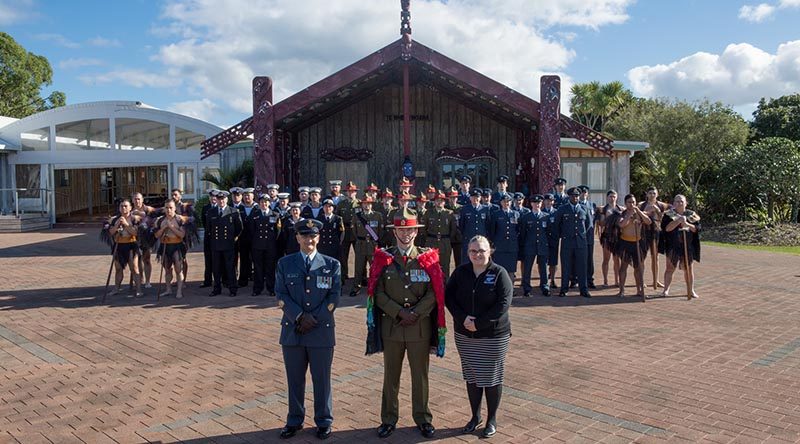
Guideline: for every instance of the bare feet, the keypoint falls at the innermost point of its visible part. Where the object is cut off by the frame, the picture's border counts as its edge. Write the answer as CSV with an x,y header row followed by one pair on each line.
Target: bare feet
x,y
166,293
621,294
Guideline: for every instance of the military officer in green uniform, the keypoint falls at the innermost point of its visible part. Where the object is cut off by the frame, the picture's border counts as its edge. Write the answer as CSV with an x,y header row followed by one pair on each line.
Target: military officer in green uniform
x,y
456,239
346,209
403,288
386,208
440,228
367,227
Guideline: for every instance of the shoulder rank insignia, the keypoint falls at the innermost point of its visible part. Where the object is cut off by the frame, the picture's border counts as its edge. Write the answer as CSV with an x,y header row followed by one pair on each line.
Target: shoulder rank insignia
x,y
331,306
281,303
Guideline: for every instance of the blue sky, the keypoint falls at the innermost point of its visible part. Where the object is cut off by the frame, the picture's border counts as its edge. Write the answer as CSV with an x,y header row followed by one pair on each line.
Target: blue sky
x,y
197,56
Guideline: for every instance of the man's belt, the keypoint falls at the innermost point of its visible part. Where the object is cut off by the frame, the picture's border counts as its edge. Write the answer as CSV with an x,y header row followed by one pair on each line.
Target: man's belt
x,y
439,236
364,238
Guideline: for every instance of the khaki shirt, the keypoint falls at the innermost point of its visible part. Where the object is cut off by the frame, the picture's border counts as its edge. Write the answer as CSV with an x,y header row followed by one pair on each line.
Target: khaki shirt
x,y
405,285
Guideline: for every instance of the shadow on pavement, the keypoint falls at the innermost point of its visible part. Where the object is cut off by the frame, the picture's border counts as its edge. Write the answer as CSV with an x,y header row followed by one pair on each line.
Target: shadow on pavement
x,y
308,434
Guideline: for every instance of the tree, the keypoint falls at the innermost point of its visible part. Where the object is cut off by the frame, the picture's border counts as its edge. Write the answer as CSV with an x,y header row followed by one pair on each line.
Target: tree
x,y
777,118
22,76
764,175
687,141
592,104
241,176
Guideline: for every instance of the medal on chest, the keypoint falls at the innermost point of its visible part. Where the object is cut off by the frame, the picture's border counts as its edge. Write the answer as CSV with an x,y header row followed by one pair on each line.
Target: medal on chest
x,y
419,276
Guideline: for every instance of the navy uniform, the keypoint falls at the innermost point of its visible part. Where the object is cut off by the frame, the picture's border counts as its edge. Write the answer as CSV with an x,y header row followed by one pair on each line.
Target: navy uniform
x,y
272,194
308,287
472,222
282,204
208,271
552,239
572,223
246,239
591,208
287,242
331,233
265,226
503,231
533,245
497,195
346,209
559,198
225,226
310,211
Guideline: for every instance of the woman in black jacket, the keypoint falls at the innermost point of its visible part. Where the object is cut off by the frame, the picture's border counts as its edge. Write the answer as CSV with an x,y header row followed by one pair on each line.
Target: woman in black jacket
x,y
478,295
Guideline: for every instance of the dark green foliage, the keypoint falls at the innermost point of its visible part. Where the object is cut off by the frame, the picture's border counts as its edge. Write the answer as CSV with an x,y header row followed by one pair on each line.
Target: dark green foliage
x,y
22,76
777,118
241,176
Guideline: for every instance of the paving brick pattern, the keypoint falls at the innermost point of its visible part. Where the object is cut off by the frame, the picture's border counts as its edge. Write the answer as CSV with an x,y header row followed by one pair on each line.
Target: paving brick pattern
x,y
724,368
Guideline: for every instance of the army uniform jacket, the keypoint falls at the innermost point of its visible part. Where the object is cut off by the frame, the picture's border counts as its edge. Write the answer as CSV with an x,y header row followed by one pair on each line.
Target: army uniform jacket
x,y
225,226
572,224
439,225
346,209
405,284
473,221
316,292
375,221
534,233
265,227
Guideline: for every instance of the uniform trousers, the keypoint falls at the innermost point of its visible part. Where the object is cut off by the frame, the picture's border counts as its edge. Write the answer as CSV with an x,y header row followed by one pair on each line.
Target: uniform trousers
x,y
590,263
456,247
245,263
296,360
223,262
527,266
344,256
264,263
419,361
445,250
573,262
364,252
208,271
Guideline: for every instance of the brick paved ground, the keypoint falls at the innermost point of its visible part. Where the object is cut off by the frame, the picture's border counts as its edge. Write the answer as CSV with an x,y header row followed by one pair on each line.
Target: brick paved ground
x,y
724,368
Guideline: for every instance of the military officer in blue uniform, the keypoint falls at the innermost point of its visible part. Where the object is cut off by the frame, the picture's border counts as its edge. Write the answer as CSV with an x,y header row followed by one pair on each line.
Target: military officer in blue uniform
x,y
559,196
533,241
331,234
246,212
591,208
502,188
552,239
519,204
504,235
474,220
572,223
463,190
486,199
308,286
265,227
226,226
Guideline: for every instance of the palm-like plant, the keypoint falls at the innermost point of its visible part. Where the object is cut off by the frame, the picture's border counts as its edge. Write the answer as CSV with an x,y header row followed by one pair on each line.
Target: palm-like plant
x,y
241,176
593,103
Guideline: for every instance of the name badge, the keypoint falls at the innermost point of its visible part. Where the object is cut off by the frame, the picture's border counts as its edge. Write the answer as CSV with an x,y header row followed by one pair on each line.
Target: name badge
x,y
483,215
490,279
292,275
272,220
544,224
419,276
373,223
324,282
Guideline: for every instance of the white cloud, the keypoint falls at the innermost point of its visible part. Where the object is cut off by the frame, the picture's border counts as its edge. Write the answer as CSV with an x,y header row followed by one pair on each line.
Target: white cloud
x,y
789,3
15,11
757,13
740,76
134,77
102,42
58,39
199,109
79,62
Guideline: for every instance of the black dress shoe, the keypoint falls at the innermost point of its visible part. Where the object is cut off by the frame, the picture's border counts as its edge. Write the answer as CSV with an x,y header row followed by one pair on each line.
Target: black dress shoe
x,y
592,286
586,294
204,285
214,293
562,294
490,430
289,431
232,294
427,430
473,424
256,293
323,432
354,292
385,430
527,294
545,292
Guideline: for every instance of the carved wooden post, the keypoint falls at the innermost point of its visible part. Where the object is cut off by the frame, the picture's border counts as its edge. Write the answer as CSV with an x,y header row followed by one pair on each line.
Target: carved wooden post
x,y
548,162
263,133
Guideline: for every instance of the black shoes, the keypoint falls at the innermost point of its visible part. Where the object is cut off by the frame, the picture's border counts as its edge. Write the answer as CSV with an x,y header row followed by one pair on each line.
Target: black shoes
x,y
545,292
385,430
427,430
592,286
586,294
354,291
472,425
256,294
562,294
232,294
527,294
204,285
490,430
323,432
289,431
215,293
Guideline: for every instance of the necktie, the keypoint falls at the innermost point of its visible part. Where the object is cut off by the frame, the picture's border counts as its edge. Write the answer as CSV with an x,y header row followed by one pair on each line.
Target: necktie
x,y
308,264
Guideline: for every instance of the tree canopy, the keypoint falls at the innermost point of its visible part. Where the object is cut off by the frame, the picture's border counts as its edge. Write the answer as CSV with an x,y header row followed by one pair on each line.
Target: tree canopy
x,y
687,141
593,103
22,77
777,118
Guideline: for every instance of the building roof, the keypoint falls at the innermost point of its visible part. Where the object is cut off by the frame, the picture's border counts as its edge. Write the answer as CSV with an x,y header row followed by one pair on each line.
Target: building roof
x,y
619,145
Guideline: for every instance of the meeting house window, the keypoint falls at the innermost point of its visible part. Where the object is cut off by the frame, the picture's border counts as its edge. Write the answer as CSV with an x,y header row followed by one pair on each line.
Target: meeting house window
x,y
478,171
592,172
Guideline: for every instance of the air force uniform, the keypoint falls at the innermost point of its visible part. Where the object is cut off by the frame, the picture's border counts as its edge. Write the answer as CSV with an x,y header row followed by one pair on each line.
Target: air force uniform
x,y
533,240
572,224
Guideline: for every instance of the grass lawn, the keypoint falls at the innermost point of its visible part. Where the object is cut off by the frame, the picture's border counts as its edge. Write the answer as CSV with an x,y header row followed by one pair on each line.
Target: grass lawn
x,y
773,249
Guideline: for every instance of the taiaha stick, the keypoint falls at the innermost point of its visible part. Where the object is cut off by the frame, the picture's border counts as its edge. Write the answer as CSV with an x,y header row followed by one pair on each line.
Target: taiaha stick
x,y
639,270
686,265
654,262
161,268
111,267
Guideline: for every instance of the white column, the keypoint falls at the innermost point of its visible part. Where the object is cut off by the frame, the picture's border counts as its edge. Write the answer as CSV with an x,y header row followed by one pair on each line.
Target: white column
x,y
112,133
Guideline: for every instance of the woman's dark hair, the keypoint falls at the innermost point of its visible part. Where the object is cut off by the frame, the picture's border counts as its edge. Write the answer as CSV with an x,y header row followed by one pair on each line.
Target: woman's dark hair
x,y
610,192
